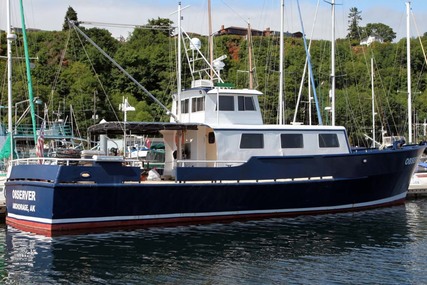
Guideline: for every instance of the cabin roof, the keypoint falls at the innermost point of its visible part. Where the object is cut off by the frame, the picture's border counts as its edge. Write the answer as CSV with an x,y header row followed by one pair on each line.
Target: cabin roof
x,y
139,128
276,127
234,91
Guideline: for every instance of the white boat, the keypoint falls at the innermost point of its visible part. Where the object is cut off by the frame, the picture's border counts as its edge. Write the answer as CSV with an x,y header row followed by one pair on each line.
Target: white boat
x,y
418,183
2,196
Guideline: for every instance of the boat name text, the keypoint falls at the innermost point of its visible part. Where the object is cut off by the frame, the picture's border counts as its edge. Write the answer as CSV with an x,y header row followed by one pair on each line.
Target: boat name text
x,y
411,160
24,195
24,207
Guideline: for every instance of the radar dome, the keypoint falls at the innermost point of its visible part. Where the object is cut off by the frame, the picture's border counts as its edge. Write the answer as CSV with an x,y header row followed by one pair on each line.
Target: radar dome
x,y
195,44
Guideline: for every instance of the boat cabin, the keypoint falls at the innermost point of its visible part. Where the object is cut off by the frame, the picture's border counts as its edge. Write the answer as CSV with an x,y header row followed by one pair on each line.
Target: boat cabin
x,y
223,127
231,131
211,105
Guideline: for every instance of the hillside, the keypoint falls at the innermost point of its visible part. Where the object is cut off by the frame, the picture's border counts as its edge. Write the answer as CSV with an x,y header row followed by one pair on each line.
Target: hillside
x,y
69,71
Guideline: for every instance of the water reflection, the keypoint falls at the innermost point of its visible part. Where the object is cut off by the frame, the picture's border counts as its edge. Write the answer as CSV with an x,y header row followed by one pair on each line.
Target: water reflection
x,y
325,249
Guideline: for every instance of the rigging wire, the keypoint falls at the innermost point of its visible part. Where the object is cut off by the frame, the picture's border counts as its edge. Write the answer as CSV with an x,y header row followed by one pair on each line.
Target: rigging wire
x,y
168,112
306,64
419,37
96,75
115,25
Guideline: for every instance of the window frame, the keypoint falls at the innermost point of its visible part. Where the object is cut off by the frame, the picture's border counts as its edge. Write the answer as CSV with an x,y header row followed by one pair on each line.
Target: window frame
x,y
251,141
245,103
328,140
292,141
224,103
185,106
197,104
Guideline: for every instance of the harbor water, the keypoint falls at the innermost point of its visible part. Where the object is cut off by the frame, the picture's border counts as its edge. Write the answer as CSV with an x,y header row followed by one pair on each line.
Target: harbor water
x,y
383,246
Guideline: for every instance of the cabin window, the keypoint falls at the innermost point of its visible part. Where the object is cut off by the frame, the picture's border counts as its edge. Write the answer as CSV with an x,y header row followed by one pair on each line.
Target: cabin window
x,y
184,106
328,140
252,141
291,141
246,103
226,103
197,104
211,137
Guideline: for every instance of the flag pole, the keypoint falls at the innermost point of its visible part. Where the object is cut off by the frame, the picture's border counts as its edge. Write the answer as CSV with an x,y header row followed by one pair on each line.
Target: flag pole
x,y
124,126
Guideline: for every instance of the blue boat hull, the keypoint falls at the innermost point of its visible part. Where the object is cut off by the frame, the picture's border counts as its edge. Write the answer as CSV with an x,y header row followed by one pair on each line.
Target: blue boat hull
x,y
114,198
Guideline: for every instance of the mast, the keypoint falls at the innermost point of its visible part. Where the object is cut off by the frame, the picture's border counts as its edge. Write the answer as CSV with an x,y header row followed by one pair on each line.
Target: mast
x,y
251,74
310,70
333,65
282,12
210,38
309,97
373,102
10,37
178,83
28,68
408,62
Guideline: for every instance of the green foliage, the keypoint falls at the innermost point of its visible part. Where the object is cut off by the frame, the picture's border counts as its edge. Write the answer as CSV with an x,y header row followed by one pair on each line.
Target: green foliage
x,y
379,29
70,71
356,33
161,25
354,17
71,15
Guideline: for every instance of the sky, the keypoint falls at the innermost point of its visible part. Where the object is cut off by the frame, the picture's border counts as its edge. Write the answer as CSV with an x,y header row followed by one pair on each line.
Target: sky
x,y
262,14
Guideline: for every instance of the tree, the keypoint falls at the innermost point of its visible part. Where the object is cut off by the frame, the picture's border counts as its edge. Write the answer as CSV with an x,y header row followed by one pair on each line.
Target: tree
x,y
354,17
71,15
381,30
161,24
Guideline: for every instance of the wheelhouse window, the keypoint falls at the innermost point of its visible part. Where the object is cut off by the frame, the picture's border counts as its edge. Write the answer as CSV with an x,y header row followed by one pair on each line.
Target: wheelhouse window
x,y
328,140
226,103
184,106
197,104
291,141
252,141
246,103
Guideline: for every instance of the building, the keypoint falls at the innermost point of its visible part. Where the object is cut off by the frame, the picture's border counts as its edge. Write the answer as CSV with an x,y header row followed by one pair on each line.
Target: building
x,y
369,40
239,31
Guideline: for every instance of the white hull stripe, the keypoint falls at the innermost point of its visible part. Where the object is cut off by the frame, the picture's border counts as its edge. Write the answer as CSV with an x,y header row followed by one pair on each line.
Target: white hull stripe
x,y
206,214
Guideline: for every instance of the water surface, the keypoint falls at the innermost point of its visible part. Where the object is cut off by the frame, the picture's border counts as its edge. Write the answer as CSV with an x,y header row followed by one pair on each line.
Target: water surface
x,y
384,246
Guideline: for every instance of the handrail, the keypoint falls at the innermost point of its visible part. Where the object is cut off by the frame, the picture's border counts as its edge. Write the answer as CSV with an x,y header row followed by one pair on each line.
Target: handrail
x,y
72,161
69,161
186,162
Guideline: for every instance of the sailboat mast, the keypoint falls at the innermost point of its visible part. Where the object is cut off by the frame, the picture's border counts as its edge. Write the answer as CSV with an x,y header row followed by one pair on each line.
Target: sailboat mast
x,y
251,74
10,37
178,83
28,69
373,102
211,55
282,13
333,65
408,52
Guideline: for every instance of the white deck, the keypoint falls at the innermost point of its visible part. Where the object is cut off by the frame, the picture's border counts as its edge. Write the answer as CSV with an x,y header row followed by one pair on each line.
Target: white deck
x,y
418,185
2,195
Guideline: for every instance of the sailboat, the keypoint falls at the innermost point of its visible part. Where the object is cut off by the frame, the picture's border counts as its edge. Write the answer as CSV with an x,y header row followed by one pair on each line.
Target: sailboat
x,y
222,163
21,139
10,38
418,183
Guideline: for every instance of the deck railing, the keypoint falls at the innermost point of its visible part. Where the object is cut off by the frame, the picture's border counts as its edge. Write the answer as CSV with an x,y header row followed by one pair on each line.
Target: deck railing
x,y
51,131
127,161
